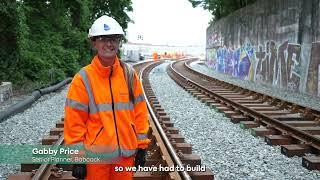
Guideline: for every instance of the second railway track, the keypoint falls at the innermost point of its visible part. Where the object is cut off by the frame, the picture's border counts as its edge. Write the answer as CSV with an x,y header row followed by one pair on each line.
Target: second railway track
x,y
294,127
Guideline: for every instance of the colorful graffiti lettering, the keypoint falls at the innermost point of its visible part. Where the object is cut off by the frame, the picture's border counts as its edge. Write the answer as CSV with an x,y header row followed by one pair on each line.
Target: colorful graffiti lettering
x,y
277,65
266,69
280,67
233,62
214,40
211,60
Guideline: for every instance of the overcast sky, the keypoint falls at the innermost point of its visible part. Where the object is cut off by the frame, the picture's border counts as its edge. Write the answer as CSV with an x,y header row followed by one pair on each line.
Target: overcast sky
x,y
172,22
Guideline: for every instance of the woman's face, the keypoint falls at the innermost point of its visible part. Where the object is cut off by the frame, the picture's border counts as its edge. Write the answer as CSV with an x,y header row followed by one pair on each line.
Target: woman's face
x,y
107,46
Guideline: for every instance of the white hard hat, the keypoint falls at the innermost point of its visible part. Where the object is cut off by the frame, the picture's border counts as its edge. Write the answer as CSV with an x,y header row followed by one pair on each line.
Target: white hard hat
x,y
105,25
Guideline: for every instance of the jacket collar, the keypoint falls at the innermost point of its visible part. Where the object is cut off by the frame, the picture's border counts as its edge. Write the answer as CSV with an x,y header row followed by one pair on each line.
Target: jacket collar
x,y
105,71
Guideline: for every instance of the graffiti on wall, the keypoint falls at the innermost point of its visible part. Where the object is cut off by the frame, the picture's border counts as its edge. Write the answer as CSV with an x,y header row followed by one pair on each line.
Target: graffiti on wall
x,y
236,62
275,64
274,28
214,40
279,66
211,58
313,77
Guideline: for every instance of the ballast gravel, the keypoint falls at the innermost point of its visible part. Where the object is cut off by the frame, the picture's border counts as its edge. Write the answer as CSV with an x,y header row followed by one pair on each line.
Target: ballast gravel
x,y
229,151
31,125
299,98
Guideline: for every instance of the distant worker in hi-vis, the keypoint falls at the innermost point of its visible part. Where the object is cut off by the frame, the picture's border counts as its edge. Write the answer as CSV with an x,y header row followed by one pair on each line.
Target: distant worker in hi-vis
x,y
105,110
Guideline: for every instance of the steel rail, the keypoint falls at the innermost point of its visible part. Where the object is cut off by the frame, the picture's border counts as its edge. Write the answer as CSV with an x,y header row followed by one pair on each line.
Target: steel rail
x,y
314,111
165,139
44,171
294,132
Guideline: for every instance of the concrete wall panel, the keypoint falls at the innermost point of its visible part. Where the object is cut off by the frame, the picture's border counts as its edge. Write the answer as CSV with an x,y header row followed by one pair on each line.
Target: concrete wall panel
x,y
274,42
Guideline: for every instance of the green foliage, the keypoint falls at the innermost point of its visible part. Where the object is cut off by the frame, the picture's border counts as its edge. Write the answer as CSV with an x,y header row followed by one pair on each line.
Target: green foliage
x,y
8,38
221,8
45,41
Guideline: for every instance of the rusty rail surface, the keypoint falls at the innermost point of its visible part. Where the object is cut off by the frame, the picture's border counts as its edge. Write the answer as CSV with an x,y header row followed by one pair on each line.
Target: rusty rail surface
x,y
294,127
46,170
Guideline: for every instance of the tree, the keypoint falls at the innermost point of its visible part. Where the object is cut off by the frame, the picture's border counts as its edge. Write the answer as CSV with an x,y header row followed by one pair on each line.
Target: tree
x,y
45,41
221,8
8,38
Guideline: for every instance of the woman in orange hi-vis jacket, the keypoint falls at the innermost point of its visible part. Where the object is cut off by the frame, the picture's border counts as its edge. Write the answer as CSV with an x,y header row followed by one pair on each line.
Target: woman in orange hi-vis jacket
x,y
99,113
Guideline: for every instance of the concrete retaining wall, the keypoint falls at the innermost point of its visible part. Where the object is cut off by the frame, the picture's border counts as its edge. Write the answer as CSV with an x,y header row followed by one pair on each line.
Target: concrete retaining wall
x,y
274,42
5,93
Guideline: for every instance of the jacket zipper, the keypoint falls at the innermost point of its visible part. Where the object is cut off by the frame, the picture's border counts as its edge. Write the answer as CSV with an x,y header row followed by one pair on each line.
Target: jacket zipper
x,y
97,135
114,115
133,129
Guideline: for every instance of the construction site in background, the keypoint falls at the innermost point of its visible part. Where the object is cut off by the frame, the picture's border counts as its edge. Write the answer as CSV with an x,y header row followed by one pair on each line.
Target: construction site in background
x,y
143,51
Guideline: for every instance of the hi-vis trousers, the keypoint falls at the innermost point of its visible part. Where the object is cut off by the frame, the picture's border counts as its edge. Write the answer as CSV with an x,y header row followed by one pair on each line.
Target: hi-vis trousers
x,y
109,172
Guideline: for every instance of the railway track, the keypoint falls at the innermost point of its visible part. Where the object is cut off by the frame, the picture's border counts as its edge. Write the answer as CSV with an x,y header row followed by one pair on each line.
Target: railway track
x,y
294,127
168,152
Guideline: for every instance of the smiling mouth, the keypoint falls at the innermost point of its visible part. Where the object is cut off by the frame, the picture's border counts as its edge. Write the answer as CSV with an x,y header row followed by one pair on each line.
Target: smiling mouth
x,y
108,50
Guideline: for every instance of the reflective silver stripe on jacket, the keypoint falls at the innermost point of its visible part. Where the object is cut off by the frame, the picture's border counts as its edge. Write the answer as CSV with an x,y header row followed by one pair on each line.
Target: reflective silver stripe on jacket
x,y
123,106
142,136
77,105
92,104
139,98
117,106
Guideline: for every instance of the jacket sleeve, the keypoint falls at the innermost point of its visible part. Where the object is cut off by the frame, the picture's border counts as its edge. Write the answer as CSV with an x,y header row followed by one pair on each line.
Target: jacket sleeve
x,y
76,112
141,115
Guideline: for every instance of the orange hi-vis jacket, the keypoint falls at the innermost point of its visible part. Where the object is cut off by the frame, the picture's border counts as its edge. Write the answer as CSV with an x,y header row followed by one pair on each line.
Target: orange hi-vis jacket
x,y
99,114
